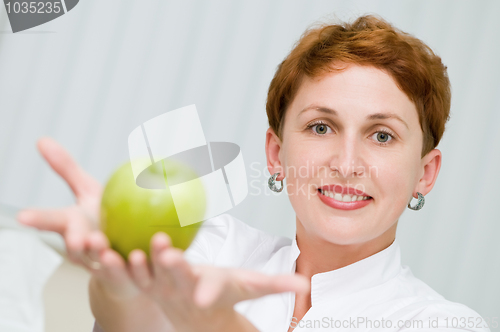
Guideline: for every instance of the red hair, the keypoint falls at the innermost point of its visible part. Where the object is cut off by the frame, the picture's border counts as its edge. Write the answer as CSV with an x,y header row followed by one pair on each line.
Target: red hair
x,y
372,41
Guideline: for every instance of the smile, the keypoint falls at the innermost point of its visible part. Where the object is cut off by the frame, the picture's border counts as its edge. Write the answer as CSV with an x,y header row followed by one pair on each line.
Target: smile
x,y
343,198
343,202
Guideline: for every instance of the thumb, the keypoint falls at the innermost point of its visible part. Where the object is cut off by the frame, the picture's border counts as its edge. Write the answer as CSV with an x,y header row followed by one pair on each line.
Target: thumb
x,y
230,286
68,169
263,284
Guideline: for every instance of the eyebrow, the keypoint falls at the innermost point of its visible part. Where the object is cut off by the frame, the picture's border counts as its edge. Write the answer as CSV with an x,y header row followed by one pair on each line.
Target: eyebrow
x,y
374,116
320,109
382,116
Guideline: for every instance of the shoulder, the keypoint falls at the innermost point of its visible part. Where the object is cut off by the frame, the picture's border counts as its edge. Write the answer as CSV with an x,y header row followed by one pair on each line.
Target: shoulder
x,y
440,315
420,306
227,241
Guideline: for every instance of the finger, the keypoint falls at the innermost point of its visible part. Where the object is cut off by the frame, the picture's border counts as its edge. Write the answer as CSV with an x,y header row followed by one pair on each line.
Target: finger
x,y
233,286
114,275
164,277
96,243
159,242
139,269
209,287
256,284
76,234
288,283
46,220
172,260
63,164
113,265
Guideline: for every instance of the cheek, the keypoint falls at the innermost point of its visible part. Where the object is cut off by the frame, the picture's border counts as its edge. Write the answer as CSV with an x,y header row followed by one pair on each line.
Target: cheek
x,y
302,163
395,180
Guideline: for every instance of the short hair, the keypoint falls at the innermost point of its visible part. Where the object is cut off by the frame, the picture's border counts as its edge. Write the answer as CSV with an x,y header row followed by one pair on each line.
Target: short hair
x,y
372,41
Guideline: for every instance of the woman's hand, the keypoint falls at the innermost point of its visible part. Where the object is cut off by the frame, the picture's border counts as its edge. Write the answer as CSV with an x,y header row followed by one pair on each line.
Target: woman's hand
x,y
201,298
121,294
74,222
79,224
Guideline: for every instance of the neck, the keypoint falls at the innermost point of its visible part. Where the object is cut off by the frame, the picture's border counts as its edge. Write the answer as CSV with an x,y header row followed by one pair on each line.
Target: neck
x,y
318,255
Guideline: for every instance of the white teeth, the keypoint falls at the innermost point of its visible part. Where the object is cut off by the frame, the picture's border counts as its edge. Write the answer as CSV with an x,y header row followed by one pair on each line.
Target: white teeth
x,y
343,198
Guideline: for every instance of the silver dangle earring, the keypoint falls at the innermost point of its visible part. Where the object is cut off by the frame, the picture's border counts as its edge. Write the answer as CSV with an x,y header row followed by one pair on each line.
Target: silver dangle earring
x,y
272,183
420,202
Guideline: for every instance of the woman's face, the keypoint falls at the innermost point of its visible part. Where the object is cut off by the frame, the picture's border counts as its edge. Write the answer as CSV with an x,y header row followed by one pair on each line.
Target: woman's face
x,y
353,129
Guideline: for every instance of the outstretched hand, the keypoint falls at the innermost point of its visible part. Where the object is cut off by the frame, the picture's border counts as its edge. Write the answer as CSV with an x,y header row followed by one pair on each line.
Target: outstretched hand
x,y
193,298
201,297
78,224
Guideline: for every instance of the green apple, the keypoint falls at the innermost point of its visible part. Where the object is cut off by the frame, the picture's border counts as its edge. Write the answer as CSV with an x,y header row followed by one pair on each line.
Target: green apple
x,y
131,214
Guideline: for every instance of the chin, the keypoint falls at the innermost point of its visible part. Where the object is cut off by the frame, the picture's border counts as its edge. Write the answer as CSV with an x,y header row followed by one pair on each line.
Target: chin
x,y
351,232
343,231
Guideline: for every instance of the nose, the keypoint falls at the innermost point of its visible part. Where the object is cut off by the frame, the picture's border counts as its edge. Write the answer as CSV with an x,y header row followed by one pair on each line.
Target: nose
x,y
347,157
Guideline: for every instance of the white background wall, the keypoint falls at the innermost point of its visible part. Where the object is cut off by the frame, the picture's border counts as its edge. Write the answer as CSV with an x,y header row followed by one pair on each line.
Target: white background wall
x,y
90,77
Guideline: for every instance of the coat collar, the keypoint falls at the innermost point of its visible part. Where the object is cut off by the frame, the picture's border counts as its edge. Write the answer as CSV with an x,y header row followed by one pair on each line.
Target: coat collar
x,y
363,274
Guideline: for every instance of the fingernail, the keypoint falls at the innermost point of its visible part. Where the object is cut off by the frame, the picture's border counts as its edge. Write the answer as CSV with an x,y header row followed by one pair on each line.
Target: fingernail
x,y
163,238
135,256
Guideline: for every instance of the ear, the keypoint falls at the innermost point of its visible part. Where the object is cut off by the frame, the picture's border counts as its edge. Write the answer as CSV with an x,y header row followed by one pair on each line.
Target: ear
x,y
431,163
273,148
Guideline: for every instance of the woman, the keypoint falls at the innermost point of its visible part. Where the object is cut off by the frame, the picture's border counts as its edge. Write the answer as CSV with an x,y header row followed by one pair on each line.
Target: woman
x,y
361,107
